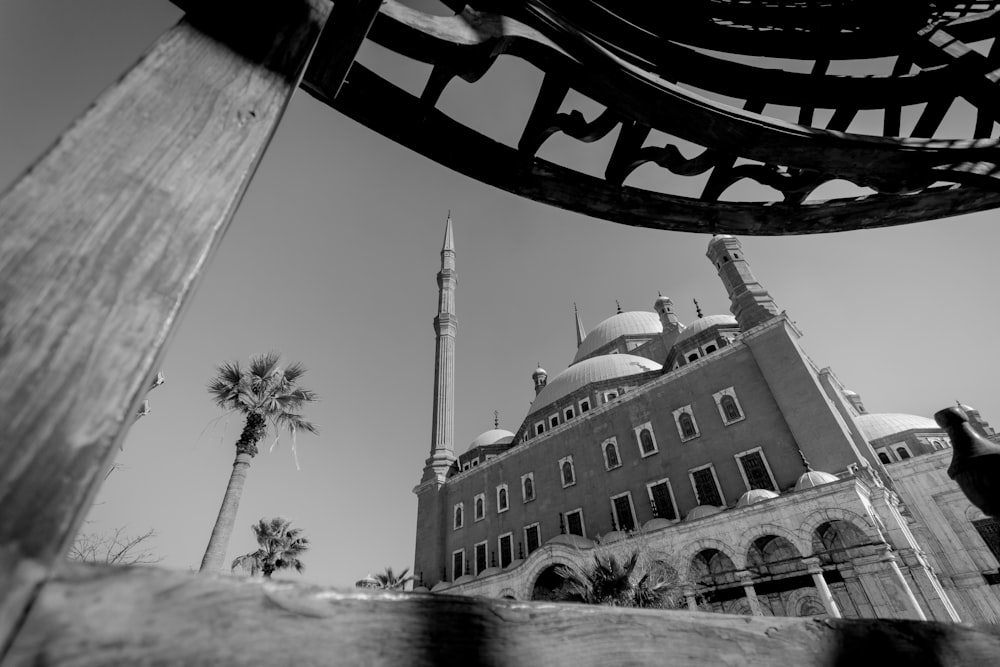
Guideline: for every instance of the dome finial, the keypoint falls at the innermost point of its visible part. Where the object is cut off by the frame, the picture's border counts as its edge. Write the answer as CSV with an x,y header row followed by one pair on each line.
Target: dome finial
x,y
581,333
619,306
697,308
496,419
805,461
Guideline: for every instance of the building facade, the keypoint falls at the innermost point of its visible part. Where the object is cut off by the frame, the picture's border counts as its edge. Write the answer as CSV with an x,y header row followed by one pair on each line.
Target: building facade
x,y
751,477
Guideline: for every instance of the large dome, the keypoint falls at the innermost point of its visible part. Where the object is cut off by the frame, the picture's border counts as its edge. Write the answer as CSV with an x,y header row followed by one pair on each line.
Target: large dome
x,y
495,436
705,323
875,426
632,323
595,369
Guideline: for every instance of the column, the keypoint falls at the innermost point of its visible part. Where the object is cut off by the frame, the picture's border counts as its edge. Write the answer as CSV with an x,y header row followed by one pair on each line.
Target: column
x,y
746,578
689,596
816,571
896,580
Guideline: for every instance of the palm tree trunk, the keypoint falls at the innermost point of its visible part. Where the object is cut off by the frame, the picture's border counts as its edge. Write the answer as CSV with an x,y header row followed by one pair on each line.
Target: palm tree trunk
x,y
215,553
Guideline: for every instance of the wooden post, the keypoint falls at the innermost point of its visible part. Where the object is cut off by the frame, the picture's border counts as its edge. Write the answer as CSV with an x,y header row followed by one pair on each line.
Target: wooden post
x,y
104,239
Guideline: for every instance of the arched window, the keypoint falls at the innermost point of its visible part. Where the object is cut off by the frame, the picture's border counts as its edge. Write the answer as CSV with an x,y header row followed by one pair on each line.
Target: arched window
x,y
646,441
902,453
687,425
729,407
567,473
529,489
458,516
610,456
480,511
502,499
883,457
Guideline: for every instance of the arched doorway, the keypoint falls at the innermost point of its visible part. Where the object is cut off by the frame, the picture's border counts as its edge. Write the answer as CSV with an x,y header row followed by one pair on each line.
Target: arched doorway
x,y
551,586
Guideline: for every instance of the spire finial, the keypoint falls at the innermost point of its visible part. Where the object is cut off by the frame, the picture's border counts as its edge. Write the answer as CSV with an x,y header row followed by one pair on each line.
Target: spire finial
x,y
619,306
805,461
581,333
449,236
697,308
496,419
659,293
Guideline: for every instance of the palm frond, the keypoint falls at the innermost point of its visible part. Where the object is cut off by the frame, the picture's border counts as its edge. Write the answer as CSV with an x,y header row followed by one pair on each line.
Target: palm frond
x,y
294,371
263,365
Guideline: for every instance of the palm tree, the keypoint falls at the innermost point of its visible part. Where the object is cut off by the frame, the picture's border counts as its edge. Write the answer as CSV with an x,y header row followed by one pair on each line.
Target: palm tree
x,y
612,582
280,548
269,398
389,580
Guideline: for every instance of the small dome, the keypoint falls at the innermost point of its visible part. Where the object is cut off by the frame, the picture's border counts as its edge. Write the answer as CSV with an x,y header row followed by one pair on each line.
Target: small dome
x,y
705,323
595,369
613,536
489,572
495,436
814,478
754,496
538,373
848,392
420,589
632,323
367,582
876,426
966,408
701,511
571,541
656,524
440,586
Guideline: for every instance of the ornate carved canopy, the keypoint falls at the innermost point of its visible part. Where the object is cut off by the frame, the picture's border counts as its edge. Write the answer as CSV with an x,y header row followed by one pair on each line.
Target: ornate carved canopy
x,y
789,121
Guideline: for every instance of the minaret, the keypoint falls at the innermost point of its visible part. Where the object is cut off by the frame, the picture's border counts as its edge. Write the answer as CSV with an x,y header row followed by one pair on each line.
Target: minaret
x,y
672,327
581,333
445,325
749,301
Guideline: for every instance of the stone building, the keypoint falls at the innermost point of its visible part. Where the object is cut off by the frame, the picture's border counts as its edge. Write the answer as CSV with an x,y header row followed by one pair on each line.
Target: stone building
x,y
753,478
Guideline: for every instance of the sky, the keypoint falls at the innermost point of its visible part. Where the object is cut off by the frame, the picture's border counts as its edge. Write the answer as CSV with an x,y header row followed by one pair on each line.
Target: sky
x,y
331,260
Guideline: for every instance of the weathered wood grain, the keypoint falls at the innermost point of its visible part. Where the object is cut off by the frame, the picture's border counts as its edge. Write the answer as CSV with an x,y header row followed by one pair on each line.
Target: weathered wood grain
x,y
145,616
103,240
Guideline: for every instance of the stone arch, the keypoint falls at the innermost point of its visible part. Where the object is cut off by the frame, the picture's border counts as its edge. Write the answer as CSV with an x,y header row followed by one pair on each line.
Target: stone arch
x,y
815,519
832,540
508,594
804,602
770,555
544,558
711,567
688,553
801,542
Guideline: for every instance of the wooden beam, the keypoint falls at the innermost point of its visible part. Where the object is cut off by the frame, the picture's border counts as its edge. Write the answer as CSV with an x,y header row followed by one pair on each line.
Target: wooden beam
x,y
130,616
104,239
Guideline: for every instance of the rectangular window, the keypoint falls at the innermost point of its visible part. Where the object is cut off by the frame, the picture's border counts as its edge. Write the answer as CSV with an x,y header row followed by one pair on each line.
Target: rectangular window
x,y
661,498
506,549
480,558
706,486
585,406
621,506
527,487
457,564
610,396
755,470
532,538
574,523
989,530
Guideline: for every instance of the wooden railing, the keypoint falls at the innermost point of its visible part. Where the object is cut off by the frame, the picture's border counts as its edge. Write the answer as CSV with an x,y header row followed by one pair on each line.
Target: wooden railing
x,y
101,244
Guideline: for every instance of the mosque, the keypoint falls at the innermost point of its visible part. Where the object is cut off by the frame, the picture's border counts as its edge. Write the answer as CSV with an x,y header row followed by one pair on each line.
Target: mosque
x,y
758,483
